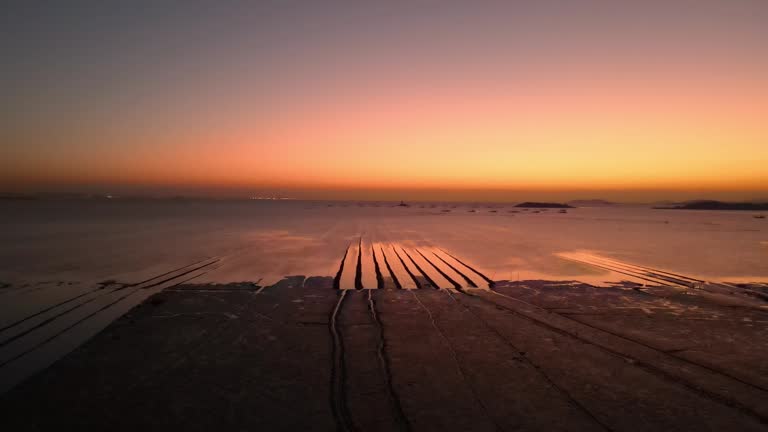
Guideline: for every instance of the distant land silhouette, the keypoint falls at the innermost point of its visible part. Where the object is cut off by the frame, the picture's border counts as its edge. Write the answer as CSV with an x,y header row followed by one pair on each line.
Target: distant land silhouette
x,y
591,203
716,205
529,204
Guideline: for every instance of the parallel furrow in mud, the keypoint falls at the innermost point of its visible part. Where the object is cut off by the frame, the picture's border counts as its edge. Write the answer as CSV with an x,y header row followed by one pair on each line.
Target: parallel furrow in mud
x,y
442,273
466,278
194,276
421,270
368,264
573,401
131,289
62,303
338,374
678,279
389,267
407,269
486,278
337,279
386,370
379,276
714,370
653,369
477,280
369,276
457,363
49,319
641,276
172,278
638,266
657,276
103,290
640,271
359,269
172,271
347,276
100,292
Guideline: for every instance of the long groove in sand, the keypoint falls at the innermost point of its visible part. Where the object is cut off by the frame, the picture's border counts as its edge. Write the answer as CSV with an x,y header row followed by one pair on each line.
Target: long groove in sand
x,y
715,397
338,394
386,369
466,278
101,288
442,273
410,273
423,273
477,272
456,361
337,279
389,268
572,400
359,269
103,308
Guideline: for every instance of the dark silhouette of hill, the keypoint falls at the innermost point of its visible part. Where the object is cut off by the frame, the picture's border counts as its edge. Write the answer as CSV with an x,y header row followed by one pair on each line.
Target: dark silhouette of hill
x,y
717,205
591,203
529,204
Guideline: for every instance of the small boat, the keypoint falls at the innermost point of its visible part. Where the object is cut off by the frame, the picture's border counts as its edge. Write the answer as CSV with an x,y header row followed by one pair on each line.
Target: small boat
x,y
759,216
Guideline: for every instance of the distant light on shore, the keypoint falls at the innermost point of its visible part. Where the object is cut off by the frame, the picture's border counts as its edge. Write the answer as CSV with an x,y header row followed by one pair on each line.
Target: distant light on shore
x,y
272,198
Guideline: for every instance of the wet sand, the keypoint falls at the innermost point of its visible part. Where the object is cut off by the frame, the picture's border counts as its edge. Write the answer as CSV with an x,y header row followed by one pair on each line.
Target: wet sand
x,y
303,355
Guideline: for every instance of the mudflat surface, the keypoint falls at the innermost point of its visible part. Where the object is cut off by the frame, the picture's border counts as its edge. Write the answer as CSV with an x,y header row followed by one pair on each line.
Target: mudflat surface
x,y
71,267
301,355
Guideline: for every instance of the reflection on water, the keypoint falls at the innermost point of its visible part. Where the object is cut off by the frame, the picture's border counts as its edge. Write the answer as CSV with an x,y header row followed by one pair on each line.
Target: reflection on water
x,y
89,242
72,267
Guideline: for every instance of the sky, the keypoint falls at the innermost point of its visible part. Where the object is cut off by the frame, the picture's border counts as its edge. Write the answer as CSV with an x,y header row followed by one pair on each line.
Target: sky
x,y
421,99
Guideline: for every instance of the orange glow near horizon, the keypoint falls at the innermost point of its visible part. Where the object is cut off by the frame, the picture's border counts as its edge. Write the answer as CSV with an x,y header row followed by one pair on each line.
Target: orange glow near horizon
x,y
573,119
533,141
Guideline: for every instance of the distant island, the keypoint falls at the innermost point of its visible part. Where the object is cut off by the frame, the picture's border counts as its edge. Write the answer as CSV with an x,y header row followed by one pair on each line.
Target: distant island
x,y
591,203
529,204
716,205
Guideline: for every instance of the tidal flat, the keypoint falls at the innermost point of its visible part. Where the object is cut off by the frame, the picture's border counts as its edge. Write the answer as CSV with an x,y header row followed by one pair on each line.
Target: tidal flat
x,y
373,316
